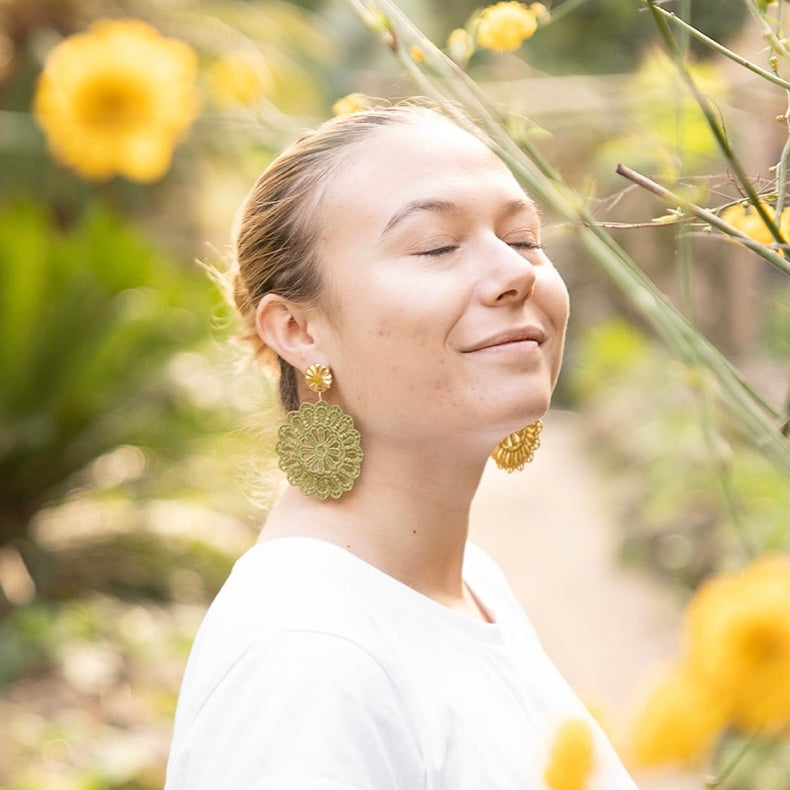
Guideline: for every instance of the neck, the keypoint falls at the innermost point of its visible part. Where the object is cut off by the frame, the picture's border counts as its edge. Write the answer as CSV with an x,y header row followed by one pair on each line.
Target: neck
x,y
407,515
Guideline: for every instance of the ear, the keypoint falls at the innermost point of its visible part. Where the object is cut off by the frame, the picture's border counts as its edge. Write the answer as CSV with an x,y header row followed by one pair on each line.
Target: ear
x,y
282,326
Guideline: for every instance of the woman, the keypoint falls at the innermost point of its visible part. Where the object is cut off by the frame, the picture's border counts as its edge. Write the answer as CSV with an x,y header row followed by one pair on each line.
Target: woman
x,y
362,643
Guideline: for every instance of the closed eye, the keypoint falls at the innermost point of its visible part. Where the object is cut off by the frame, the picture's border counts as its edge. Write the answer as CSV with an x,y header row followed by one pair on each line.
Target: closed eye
x,y
436,252
525,245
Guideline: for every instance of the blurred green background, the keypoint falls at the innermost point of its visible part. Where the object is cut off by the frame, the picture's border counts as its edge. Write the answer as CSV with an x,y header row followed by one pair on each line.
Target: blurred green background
x,y
135,440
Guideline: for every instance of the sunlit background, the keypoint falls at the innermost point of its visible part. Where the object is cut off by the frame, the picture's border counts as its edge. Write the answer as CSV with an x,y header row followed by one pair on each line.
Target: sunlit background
x,y
136,457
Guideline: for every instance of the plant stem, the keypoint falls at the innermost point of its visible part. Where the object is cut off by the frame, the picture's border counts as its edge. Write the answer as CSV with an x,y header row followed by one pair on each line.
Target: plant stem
x,y
781,177
786,425
776,43
565,8
716,128
714,441
722,50
672,198
718,781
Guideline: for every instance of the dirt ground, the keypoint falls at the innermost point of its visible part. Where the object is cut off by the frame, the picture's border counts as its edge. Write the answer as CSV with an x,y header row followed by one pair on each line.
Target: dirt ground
x,y
552,530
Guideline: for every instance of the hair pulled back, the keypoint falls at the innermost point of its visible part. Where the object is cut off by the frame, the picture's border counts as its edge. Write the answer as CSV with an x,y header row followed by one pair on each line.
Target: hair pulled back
x,y
279,222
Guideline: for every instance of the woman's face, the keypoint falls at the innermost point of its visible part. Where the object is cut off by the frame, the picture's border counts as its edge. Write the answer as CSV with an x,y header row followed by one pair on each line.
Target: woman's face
x,y
441,316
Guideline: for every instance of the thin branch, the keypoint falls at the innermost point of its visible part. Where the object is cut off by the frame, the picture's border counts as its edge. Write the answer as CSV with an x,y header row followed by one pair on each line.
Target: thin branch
x,y
721,49
662,223
721,464
708,216
713,122
781,177
776,43
717,781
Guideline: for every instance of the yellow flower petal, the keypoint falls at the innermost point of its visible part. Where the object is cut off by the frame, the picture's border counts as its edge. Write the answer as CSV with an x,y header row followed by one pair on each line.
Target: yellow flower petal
x,y
115,94
504,26
746,219
738,631
571,756
678,722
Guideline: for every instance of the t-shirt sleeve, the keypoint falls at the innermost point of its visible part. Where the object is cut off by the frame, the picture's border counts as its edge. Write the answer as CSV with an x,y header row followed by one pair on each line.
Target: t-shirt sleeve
x,y
300,711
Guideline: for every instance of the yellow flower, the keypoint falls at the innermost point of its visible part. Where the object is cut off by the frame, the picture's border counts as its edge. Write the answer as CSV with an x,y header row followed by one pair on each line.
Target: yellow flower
x,y
503,26
239,79
571,756
353,102
116,99
738,630
678,722
746,219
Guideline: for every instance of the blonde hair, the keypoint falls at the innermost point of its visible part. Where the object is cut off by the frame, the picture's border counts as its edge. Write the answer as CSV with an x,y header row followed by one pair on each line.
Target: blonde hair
x,y
277,228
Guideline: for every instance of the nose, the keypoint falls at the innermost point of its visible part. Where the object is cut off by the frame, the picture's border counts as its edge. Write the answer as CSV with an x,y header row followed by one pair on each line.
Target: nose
x,y
509,276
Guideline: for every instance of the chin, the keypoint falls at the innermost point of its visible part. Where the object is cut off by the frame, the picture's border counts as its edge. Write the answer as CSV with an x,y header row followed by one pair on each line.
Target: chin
x,y
521,418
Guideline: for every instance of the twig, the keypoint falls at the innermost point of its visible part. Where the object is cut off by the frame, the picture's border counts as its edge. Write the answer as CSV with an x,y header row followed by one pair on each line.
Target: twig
x,y
715,127
708,216
717,781
776,43
781,177
640,225
722,467
728,53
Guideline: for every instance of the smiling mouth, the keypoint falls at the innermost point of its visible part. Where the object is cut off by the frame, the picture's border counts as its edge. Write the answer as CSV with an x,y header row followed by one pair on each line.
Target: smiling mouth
x,y
517,338
522,346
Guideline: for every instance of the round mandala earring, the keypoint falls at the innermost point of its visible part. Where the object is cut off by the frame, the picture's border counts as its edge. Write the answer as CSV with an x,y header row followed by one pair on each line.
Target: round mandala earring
x,y
319,447
518,449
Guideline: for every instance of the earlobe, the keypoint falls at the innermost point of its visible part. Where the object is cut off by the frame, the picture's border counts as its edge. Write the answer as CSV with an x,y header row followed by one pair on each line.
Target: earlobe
x,y
282,327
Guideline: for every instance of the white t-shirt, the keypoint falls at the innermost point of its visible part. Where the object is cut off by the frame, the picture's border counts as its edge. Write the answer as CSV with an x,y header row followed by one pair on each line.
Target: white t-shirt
x,y
313,670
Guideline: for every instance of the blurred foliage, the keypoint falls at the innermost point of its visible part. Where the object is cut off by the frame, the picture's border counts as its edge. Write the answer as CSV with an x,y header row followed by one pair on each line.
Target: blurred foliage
x,y
758,763
644,422
121,423
665,132
96,695
87,316
575,43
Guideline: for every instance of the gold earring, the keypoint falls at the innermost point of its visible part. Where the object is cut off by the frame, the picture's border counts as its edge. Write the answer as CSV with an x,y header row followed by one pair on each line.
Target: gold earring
x,y
518,448
319,447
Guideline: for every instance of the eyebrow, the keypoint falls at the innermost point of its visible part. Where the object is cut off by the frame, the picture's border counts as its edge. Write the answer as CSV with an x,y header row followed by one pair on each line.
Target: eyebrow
x,y
447,207
416,207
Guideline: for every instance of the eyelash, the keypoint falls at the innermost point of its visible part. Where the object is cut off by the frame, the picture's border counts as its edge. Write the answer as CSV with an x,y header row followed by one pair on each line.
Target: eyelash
x,y
526,245
520,245
438,251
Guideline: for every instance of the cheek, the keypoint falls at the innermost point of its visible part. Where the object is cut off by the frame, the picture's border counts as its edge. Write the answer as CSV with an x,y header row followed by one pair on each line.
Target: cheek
x,y
558,309
556,300
394,350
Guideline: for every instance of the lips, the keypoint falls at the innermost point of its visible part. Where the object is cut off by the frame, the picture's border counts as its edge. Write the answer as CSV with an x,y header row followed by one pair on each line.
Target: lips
x,y
518,335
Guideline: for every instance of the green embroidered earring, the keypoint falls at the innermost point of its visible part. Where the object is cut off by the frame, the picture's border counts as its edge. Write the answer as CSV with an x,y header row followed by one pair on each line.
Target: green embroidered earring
x,y
319,447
